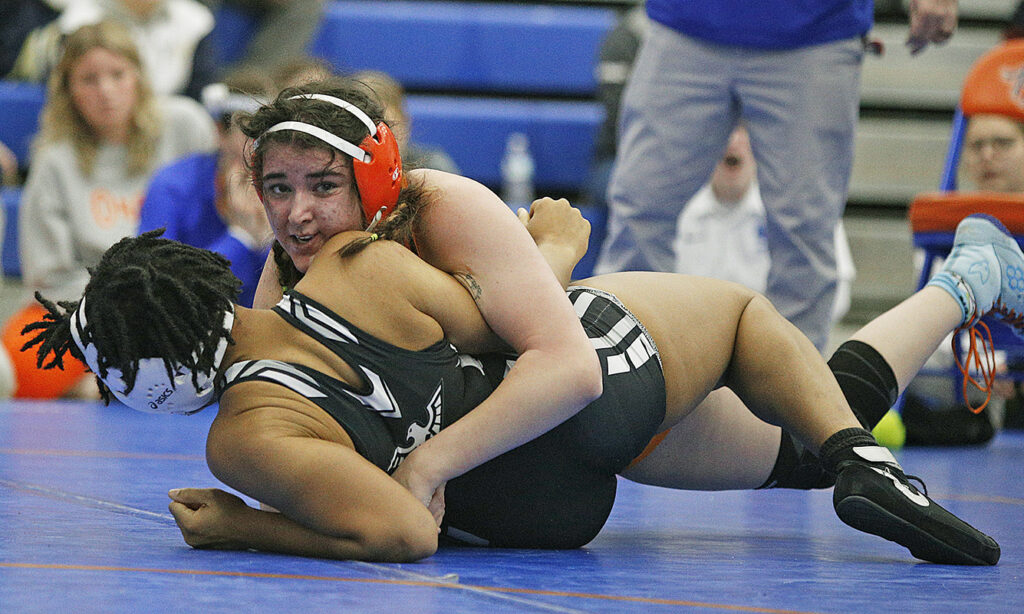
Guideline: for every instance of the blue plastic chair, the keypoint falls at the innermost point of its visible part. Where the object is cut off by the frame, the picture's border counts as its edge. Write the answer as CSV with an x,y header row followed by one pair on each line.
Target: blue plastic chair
x,y
994,85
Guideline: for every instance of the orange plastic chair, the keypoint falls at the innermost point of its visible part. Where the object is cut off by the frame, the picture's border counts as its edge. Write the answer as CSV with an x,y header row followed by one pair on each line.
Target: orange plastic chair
x,y
994,85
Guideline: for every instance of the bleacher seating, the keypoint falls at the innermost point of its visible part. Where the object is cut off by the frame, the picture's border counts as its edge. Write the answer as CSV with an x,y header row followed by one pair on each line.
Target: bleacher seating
x,y
478,70
930,80
9,198
231,32
473,66
477,47
474,131
20,104
894,159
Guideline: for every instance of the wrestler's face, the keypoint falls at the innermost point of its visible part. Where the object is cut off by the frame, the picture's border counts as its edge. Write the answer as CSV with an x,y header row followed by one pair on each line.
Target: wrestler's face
x,y
993,154
309,196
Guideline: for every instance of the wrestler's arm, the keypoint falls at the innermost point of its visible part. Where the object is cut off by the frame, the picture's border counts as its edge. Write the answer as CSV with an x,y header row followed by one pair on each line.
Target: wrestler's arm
x,y
561,233
472,234
333,502
559,230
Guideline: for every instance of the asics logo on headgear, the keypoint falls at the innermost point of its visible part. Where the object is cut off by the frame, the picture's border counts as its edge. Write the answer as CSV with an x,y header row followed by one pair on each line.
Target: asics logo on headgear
x,y
980,268
166,394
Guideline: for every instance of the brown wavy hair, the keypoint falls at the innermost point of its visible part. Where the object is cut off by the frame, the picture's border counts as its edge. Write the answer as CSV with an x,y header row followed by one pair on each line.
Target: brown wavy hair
x,y
401,224
61,121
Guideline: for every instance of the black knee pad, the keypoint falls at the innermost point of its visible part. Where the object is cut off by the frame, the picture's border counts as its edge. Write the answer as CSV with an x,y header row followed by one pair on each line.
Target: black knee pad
x,y
796,467
866,379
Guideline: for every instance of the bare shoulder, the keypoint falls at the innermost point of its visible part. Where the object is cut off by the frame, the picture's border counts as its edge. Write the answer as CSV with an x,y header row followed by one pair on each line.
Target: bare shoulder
x,y
456,199
394,271
466,223
250,413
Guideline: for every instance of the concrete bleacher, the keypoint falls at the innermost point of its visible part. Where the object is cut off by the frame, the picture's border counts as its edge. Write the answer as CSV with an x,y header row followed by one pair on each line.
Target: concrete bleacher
x,y
906,110
907,105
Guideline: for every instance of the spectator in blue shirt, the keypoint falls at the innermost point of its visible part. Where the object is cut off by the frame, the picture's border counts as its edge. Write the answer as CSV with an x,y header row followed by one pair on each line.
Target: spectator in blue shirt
x,y
207,199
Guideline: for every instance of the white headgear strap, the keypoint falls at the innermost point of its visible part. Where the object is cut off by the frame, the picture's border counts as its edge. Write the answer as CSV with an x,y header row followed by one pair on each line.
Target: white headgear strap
x,y
153,391
333,140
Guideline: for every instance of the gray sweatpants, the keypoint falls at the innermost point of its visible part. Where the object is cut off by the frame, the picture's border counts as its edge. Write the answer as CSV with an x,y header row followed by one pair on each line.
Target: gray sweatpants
x,y
800,107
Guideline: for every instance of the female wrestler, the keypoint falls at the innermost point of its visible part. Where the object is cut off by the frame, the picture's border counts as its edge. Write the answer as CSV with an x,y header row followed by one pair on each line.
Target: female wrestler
x,y
322,148
324,395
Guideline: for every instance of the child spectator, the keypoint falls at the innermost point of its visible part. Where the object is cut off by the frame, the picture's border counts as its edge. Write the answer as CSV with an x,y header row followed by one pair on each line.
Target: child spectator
x,y
207,199
721,231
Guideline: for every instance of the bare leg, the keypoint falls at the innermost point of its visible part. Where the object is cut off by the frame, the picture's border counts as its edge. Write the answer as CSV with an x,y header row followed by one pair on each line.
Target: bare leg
x,y
723,445
781,377
720,445
909,333
711,333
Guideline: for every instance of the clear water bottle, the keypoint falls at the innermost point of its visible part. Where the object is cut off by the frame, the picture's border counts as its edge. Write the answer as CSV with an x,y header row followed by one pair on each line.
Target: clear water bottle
x,y
517,172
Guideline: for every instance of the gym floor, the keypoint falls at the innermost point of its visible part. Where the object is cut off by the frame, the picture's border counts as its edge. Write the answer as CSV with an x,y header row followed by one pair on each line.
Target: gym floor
x,y
84,527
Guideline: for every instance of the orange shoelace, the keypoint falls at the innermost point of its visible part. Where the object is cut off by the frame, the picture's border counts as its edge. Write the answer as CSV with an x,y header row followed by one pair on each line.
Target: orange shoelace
x,y
981,357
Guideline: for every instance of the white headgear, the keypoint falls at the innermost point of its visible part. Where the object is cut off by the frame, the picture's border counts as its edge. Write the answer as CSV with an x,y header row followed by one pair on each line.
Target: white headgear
x,y
154,392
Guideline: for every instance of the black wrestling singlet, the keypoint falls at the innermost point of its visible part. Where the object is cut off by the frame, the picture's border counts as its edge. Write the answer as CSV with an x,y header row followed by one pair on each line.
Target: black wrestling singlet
x,y
406,398
557,490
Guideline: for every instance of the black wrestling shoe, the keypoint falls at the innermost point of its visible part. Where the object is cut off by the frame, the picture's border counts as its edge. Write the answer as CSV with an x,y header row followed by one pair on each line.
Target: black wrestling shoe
x,y
872,494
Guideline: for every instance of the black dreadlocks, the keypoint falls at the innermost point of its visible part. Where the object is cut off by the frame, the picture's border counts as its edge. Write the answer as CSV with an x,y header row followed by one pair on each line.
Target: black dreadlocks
x,y
148,297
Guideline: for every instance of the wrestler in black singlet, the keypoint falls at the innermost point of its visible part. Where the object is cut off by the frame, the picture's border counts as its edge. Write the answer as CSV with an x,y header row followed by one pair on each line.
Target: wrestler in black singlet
x,y
407,396
553,492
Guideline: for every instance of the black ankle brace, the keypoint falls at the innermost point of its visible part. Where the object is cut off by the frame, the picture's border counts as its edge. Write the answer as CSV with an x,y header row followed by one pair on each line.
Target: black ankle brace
x,y
866,379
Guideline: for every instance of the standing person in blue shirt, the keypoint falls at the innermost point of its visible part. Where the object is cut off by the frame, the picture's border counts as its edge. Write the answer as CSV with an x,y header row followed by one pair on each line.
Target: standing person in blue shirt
x,y
790,71
207,199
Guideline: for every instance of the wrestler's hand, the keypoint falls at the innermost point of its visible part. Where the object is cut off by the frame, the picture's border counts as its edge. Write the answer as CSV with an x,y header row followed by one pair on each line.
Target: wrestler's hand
x,y
561,232
429,491
557,222
436,505
207,516
931,21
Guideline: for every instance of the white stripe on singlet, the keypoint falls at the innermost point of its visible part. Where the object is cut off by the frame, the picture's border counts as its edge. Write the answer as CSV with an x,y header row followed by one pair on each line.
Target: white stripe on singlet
x,y
317,320
277,371
640,350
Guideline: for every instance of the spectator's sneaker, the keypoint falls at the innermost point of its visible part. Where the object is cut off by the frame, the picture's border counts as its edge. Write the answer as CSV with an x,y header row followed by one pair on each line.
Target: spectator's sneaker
x,y
985,272
873,494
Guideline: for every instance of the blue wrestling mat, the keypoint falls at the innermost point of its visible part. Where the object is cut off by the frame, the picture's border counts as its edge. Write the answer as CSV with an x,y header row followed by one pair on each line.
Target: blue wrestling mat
x,y
84,527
